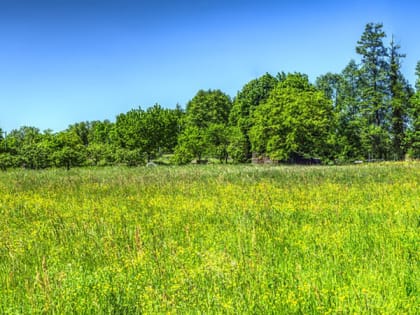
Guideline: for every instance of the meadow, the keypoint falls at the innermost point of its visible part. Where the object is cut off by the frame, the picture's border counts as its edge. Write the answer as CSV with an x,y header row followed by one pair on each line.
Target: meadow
x,y
211,240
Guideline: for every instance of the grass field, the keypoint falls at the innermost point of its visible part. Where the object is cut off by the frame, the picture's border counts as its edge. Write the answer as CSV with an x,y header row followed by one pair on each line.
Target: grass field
x,y
211,240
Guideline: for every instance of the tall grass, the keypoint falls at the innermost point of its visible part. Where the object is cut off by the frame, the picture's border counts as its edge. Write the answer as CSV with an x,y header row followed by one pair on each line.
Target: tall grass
x,y
211,239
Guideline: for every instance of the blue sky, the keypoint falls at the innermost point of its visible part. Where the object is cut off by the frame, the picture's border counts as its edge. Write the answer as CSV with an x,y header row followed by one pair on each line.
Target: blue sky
x,y
66,61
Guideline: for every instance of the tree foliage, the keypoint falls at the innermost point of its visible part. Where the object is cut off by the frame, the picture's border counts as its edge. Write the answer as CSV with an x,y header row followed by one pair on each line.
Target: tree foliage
x,y
368,111
413,133
247,100
295,121
206,123
208,107
151,131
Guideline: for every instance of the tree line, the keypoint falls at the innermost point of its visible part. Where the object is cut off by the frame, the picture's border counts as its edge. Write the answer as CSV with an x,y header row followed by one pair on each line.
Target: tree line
x,y
369,111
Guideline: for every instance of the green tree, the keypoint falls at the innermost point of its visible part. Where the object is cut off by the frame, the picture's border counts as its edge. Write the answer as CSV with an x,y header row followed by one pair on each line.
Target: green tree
x,y
374,90
17,138
82,130
130,157
218,139
7,160
69,150
239,145
333,87
151,132
351,121
100,132
246,101
3,144
295,121
371,101
172,128
207,107
160,128
24,145
129,137
192,143
100,154
344,91
206,116
126,133
95,136
38,155
400,94
101,150
413,137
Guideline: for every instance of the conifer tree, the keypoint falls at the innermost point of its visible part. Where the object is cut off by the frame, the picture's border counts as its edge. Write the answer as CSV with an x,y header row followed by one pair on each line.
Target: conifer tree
x,y
414,133
373,78
399,93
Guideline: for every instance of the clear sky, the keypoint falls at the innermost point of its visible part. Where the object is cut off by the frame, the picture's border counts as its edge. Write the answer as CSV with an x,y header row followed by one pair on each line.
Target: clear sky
x,y
66,61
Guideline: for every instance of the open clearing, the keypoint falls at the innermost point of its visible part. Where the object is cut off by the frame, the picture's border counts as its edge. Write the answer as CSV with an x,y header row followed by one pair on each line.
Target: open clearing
x,y
211,239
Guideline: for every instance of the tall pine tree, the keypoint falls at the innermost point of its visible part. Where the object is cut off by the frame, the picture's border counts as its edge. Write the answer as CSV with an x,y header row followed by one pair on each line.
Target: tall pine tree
x,y
414,132
399,93
373,75
418,77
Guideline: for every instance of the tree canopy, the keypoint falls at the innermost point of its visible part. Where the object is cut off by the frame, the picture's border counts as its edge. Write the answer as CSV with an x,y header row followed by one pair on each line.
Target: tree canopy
x,y
295,121
368,111
206,127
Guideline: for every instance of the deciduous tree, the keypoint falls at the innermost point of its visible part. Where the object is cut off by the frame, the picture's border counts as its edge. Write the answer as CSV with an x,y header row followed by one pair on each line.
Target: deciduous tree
x,y
246,101
295,121
69,150
206,116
